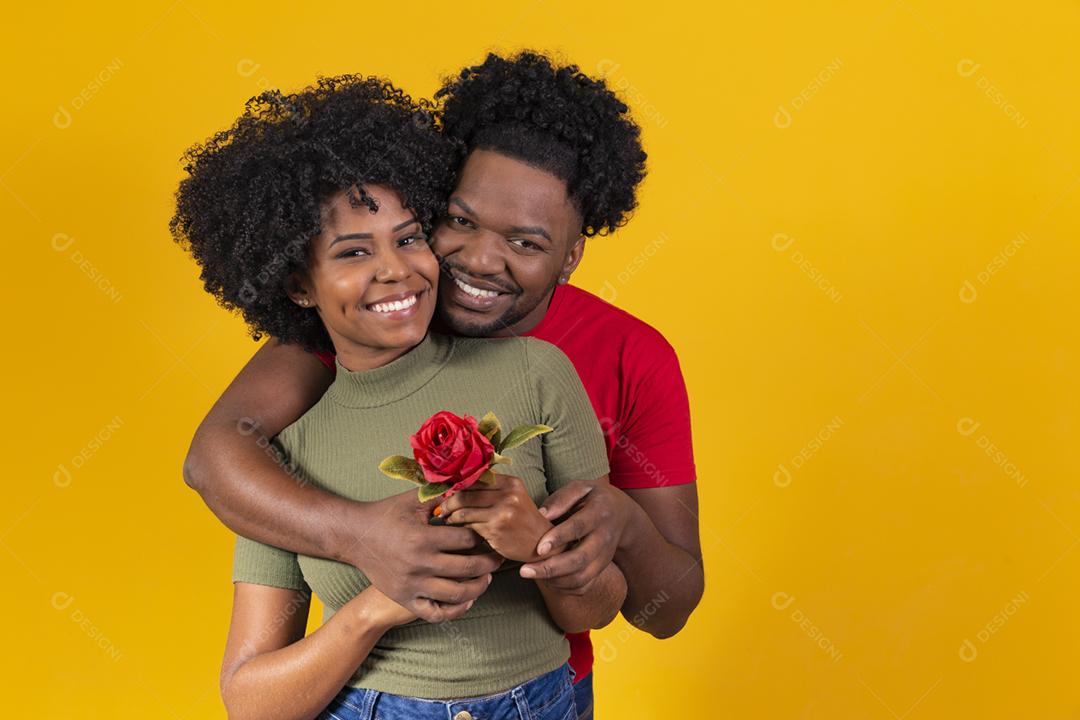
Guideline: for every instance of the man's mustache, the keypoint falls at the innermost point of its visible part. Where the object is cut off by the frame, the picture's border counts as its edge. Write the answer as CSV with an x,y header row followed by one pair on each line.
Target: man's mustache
x,y
451,269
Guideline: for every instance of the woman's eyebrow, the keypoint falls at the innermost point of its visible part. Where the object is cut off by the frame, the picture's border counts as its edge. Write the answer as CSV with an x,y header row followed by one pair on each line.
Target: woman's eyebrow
x,y
368,236
350,236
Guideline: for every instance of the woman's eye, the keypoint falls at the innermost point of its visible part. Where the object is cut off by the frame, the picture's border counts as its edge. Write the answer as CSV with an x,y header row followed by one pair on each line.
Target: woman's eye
x,y
412,240
354,252
460,221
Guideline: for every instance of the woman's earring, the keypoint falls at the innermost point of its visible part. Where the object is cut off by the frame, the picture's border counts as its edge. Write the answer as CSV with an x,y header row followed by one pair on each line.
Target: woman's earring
x,y
304,302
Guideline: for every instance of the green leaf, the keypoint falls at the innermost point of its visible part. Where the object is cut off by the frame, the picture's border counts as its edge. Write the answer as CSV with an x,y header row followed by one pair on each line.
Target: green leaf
x,y
428,491
497,458
487,478
491,428
400,467
523,434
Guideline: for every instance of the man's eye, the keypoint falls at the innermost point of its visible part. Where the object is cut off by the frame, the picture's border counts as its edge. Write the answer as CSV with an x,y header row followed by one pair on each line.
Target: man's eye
x,y
526,244
460,221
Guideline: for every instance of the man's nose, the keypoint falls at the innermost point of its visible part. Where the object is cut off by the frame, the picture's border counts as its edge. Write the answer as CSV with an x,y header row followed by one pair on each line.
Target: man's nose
x,y
481,254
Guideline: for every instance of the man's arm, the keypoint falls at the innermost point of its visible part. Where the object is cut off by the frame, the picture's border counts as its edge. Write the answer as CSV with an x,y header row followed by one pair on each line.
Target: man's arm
x,y
651,534
232,465
235,470
501,511
649,528
591,609
661,549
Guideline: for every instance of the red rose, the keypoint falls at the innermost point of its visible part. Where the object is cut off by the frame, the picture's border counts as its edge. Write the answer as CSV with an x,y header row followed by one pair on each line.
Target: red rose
x,y
451,449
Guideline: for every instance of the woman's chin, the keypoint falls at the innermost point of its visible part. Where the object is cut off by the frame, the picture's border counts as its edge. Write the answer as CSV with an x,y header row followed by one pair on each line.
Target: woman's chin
x,y
404,338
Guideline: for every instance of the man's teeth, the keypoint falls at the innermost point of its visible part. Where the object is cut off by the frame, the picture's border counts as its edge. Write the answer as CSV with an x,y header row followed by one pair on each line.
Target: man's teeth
x,y
396,305
474,291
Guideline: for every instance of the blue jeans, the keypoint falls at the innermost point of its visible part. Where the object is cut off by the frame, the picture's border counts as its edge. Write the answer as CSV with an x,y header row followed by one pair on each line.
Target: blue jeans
x,y
583,697
548,697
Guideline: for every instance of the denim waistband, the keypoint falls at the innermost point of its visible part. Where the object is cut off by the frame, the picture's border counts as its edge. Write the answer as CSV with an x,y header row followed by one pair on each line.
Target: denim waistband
x,y
547,697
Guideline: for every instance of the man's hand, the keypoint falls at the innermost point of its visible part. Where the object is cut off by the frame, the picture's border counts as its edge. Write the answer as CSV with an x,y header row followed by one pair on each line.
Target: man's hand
x,y
503,513
435,572
600,513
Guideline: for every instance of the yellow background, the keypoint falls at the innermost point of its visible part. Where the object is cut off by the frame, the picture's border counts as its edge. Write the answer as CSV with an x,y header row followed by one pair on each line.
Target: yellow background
x,y
887,455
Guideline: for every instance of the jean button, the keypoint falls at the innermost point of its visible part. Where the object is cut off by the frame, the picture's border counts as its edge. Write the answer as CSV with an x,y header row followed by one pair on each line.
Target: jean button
x,y
463,715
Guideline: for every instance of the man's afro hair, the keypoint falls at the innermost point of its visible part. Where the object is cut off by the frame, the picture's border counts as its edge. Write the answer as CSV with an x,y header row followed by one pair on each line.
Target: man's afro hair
x,y
554,118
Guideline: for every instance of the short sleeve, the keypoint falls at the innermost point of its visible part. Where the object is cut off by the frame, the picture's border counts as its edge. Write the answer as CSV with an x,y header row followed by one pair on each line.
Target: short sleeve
x,y
261,564
652,446
574,449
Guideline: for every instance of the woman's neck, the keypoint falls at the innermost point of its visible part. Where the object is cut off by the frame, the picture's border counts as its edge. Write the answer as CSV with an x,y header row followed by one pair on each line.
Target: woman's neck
x,y
359,358
399,374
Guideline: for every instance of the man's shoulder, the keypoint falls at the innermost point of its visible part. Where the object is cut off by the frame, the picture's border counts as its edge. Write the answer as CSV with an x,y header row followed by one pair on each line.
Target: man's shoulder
x,y
601,319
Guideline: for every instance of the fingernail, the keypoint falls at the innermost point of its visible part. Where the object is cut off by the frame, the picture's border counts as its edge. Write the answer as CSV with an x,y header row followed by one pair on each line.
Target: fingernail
x,y
544,547
544,511
527,572
437,512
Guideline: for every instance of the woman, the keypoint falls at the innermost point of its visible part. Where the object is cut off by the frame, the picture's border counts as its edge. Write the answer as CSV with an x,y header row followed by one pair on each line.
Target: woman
x,y
310,215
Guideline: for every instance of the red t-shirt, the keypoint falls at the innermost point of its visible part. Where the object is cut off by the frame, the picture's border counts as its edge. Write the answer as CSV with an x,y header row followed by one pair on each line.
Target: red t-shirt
x,y
632,376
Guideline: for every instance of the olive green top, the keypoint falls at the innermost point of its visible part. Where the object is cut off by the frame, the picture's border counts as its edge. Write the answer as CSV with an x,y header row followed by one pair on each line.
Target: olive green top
x,y
507,637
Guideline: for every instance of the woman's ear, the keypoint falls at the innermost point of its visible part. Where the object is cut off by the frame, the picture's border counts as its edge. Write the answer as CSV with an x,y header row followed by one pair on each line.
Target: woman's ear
x,y
297,287
572,259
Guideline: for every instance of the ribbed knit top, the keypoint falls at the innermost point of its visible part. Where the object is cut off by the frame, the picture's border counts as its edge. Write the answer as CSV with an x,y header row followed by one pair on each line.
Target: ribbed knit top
x,y
507,637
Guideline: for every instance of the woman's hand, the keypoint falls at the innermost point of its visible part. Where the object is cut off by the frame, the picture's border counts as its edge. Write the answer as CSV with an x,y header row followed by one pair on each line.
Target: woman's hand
x,y
503,513
381,610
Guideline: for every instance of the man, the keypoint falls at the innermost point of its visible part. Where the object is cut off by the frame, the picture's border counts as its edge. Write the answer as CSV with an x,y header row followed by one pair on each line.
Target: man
x,y
552,158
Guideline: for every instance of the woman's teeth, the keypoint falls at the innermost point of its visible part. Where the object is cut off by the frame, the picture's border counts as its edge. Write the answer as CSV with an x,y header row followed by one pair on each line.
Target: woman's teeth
x,y
393,306
475,292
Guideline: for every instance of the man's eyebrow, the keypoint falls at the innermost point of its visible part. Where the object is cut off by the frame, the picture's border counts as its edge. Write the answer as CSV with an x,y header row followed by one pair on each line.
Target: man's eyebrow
x,y
462,204
530,230
368,236
521,229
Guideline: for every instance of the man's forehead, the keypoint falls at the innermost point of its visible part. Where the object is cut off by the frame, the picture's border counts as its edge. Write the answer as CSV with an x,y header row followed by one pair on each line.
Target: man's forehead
x,y
498,187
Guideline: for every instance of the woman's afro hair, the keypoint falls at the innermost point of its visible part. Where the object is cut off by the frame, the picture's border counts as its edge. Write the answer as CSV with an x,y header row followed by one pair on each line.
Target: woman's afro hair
x,y
254,193
554,118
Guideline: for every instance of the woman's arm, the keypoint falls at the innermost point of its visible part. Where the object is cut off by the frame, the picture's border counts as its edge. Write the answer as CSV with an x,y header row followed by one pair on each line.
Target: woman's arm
x,y
503,513
272,672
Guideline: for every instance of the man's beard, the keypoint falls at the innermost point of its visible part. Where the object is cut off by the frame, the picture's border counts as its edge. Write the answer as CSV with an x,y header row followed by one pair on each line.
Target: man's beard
x,y
473,328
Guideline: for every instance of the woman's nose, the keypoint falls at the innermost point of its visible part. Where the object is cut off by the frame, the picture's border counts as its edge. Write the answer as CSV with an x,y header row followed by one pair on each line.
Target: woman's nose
x,y
392,268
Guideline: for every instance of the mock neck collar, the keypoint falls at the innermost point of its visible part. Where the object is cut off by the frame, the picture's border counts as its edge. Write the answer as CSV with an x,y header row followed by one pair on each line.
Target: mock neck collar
x,y
395,380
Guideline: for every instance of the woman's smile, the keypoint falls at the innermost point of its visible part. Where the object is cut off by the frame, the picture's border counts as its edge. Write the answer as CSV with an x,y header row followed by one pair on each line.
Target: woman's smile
x,y
397,307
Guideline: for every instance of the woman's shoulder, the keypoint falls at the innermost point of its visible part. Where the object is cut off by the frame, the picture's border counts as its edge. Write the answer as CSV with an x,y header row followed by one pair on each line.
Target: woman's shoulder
x,y
517,352
524,362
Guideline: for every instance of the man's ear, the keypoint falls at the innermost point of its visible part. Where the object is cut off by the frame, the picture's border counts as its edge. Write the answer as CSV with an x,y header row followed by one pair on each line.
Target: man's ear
x,y
297,287
577,250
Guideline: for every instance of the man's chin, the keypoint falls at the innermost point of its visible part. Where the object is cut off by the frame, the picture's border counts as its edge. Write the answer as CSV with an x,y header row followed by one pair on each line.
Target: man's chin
x,y
469,323
466,323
